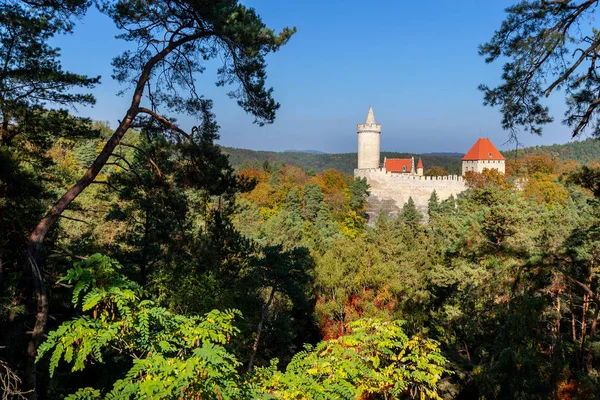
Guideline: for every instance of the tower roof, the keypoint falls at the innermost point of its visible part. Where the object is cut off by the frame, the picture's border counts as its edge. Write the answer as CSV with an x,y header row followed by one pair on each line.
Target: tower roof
x,y
483,149
370,117
420,163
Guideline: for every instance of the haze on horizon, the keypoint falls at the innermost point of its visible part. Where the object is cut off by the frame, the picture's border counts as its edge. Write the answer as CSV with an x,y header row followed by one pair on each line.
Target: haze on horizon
x,y
417,67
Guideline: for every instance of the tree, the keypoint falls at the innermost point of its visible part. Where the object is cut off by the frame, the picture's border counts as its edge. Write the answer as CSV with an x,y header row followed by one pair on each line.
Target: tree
x,y
377,359
32,75
410,215
173,38
168,355
359,191
436,171
312,200
280,273
33,87
550,45
433,206
589,178
161,346
488,177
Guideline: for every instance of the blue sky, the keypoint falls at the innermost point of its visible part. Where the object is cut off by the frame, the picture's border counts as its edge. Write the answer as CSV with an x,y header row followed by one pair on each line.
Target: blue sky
x,y
416,63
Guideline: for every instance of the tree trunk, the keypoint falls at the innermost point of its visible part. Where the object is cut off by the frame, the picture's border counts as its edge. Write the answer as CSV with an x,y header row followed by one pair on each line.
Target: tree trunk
x,y
2,235
556,329
573,331
263,316
145,248
38,329
590,356
584,311
2,206
36,240
594,323
33,264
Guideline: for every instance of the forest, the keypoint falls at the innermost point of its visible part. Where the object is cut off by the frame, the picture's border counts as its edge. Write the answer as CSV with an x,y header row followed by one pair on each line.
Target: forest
x,y
139,261
582,151
345,162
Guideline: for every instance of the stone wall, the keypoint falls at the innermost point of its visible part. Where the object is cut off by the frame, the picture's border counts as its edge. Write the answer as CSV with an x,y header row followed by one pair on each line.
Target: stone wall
x,y
390,191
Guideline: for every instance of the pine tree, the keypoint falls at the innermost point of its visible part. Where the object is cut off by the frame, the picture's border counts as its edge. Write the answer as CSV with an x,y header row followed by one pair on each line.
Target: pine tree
x,y
359,190
536,37
410,215
312,200
433,206
176,38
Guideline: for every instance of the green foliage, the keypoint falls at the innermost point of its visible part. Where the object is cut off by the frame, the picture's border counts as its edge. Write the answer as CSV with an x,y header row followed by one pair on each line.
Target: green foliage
x,y
345,162
503,281
238,38
410,215
433,205
312,200
185,356
359,190
376,359
32,73
171,353
536,37
584,151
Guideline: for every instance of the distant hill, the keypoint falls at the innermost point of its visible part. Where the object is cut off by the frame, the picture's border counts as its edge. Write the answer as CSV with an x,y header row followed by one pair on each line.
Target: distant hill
x,y
441,153
582,151
305,151
345,162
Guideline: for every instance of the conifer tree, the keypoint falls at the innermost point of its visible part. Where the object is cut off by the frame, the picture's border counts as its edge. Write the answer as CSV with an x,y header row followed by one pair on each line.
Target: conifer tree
x,y
312,200
433,206
410,215
172,39
537,39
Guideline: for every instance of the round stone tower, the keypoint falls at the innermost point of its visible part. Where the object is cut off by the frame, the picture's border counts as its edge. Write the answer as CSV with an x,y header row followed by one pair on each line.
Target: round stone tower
x,y
368,142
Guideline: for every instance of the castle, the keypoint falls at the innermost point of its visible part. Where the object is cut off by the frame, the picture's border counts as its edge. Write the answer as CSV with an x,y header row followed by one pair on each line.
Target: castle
x,y
396,180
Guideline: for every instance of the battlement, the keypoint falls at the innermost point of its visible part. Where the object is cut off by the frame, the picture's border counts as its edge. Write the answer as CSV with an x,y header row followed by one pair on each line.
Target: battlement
x,y
382,174
376,128
389,191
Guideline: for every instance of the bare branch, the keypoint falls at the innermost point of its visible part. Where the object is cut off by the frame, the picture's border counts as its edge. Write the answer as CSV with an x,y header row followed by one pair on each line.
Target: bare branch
x,y
150,159
166,122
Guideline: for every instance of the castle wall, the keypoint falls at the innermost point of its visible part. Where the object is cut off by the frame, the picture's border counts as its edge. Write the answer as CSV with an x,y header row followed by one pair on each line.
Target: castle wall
x,y
389,191
368,149
480,165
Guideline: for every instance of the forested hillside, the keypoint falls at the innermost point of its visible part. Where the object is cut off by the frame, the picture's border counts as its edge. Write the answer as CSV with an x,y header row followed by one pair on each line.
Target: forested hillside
x,y
345,162
138,263
581,151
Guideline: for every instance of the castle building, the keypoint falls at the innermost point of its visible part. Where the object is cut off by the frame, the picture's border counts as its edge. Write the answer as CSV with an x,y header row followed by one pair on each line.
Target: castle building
x,y
483,155
403,166
394,181
368,142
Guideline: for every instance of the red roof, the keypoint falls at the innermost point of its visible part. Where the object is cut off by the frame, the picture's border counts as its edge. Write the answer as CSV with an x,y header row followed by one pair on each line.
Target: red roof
x,y
483,149
420,163
397,164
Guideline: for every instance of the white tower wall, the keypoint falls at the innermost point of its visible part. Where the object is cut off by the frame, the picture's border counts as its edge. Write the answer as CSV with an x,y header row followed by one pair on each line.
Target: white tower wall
x,y
369,137
480,165
368,150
